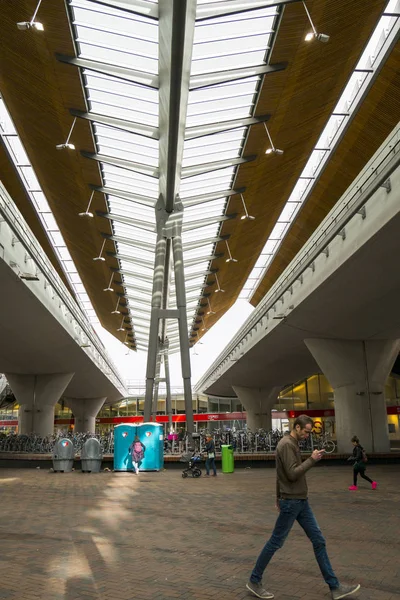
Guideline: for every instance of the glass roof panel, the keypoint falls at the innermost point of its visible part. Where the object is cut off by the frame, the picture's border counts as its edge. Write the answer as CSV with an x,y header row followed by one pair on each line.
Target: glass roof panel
x,y
228,62
118,86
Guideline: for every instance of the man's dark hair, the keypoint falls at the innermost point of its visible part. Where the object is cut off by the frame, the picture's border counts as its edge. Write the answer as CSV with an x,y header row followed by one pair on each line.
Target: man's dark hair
x,y
355,439
303,420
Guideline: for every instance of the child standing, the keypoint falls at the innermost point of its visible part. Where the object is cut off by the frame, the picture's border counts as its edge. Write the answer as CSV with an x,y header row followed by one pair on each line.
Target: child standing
x,y
136,450
360,458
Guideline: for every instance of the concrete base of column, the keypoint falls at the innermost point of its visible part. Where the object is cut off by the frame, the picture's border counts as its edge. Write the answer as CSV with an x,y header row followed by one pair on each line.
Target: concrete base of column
x,y
258,403
85,411
357,371
37,395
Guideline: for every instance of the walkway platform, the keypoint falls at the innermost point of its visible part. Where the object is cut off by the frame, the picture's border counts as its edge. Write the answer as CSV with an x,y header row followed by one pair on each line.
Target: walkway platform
x,y
254,459
157,536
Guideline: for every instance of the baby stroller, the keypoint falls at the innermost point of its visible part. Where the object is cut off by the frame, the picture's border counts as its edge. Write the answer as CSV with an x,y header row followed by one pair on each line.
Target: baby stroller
x,y
193,460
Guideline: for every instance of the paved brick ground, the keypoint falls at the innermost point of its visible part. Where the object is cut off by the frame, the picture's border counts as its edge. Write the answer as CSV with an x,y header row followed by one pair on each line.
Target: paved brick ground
x,y
120,537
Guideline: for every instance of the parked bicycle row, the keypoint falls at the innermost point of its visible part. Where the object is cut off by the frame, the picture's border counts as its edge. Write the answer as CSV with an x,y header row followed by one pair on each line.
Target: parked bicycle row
x,y
44,445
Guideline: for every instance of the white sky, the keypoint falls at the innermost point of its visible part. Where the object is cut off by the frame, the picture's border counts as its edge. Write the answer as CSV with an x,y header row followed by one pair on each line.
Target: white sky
x,y
132,365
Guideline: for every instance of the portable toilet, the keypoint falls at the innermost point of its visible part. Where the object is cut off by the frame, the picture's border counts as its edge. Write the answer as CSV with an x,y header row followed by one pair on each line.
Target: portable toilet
x,y
124,435
152,437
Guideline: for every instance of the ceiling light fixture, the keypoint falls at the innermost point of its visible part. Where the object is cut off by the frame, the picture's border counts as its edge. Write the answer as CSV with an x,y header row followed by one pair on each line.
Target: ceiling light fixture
x,y
109,288
272,149
209,312
100,257
314,35
230,257
120,328
204,328
87,213
32,24
67,144
246,214
116,311
29,276
218,286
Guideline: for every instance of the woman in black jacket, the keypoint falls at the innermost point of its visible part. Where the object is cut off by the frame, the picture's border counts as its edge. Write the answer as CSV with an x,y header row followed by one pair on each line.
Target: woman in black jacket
x,y
359,457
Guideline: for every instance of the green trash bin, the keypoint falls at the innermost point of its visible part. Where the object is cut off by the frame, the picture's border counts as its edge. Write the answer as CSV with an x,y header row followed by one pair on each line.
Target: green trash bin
x,y
228,462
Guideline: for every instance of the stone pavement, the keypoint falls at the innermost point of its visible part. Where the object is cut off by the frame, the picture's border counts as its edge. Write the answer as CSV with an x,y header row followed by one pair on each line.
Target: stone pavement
x,y
116,536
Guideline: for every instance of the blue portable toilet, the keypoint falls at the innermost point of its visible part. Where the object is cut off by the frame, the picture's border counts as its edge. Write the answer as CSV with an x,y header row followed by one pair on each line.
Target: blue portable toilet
x,y
124,435
152,437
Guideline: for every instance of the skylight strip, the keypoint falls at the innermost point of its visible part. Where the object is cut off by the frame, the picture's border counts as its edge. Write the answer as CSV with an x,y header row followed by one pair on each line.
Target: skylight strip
x,y
374,56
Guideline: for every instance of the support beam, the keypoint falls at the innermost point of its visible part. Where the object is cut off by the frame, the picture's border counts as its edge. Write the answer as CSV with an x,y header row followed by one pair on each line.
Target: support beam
x,y
126,220
137,128
130,196
85,411
213,10
209,79
122,163
124,73
143,8
199,131
195,170
195,200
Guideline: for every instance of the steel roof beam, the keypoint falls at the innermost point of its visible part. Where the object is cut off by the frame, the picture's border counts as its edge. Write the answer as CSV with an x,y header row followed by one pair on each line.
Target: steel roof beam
x,y
140,276
122,163
199,243
127,221
189,226
204,130
213,10
129,242
195,170
142,8
121,124
210,79
176,34
124,73
139,262
195,200
130,196
201,259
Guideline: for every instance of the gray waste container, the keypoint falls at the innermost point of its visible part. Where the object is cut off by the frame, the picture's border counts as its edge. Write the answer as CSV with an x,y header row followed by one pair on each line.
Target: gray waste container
x,y
91,456
63,456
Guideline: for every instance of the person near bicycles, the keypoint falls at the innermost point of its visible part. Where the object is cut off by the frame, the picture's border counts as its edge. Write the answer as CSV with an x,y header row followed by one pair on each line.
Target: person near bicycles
x,y
210,460
360,458
136,450
292,504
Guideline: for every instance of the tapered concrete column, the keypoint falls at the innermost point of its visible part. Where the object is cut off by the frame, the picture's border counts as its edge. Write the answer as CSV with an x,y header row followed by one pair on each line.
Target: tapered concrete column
x,y
37,395
358,371
85,411
258,403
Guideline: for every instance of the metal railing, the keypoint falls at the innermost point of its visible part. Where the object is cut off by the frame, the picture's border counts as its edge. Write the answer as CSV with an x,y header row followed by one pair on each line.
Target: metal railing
x,y
23,233
374,175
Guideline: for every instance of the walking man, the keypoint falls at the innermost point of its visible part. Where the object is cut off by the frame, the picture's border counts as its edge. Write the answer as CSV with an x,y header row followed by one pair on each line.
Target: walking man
x,y
292,504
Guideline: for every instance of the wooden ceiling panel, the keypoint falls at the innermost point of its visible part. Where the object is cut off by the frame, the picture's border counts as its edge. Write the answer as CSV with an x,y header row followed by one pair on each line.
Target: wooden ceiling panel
x,y
300,100
374,121
39,91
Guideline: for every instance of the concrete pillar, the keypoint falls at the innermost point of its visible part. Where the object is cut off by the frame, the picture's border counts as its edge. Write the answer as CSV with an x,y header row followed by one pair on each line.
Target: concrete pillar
x,y
358,371
85,411
37,395
258,403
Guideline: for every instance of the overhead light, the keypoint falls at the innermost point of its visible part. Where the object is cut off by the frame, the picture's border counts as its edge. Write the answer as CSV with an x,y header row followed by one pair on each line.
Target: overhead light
x,y
85,345
218,286
100,257
32,24
64,146
87,213
67,145
230,258
246,214
29,276
109,288
116,311
24,25
314,35
279,316
210,312
120,328
272,149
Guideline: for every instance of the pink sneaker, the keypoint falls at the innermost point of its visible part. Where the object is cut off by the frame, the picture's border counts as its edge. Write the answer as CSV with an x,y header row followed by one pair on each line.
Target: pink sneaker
x,y
374,485
353,488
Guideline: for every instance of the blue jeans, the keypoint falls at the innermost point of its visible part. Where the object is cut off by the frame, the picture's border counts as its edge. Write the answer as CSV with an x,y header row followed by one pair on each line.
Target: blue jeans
x,y
210,464
290,511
